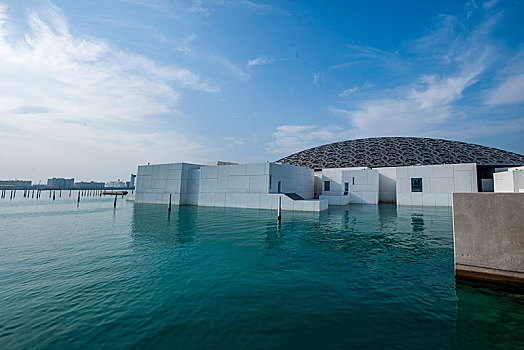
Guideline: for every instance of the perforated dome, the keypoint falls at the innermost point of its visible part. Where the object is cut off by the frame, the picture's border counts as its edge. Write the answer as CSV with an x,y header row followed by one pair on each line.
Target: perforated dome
x,y
400,151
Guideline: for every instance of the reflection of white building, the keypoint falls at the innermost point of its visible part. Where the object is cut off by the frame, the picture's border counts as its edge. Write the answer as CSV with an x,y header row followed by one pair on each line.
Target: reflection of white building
x,y
405,171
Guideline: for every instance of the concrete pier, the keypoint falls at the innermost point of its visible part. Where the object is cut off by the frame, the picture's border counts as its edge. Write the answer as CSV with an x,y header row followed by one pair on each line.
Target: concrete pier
x,y
488,232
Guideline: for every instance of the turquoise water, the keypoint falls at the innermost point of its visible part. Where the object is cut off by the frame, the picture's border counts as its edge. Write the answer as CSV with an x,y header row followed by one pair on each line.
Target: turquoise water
x,y
225,278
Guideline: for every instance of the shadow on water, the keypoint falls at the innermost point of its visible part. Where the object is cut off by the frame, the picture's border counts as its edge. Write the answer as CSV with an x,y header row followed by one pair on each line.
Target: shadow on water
x,y
489,316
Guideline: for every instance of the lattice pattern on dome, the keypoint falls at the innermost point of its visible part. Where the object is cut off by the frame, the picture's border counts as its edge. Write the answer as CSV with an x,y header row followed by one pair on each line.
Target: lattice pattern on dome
x,y
400,151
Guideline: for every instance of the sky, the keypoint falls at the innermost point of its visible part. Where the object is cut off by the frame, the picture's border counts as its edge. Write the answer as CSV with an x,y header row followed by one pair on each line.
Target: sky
x,y
92,88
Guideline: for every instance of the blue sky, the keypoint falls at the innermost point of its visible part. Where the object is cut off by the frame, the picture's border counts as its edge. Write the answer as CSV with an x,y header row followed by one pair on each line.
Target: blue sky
x,y
91,88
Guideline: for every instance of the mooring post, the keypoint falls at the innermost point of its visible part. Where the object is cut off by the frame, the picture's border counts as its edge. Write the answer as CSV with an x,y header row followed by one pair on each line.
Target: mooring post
x,y
14,194
49,193
11,194
279,208
114,205
69,193
169,206
60,194
78,197
53,195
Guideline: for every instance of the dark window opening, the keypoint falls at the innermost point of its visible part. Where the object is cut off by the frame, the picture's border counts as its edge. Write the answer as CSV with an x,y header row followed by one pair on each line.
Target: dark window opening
x,y
346,188
279,189
327,185
416,184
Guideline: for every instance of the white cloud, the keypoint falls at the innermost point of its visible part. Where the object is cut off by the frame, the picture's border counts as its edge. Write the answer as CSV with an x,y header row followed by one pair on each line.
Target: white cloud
x,y
354,89
415,108
259,61
511,91
184,44
292,138
317,78
511,88
236,140
66,97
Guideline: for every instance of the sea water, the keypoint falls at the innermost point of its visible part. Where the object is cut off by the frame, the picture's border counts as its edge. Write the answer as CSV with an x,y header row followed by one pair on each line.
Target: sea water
x,y
359,276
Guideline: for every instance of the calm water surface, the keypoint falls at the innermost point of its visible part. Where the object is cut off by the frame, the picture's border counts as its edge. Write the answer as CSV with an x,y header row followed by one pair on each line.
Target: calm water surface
x,y
224,278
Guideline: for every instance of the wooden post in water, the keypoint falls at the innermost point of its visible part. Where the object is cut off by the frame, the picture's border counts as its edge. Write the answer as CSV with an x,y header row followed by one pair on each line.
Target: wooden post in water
x,y
14,194
49,193
279,208
60,193
78,201
53,195
114,205
69,193
11,194
169,207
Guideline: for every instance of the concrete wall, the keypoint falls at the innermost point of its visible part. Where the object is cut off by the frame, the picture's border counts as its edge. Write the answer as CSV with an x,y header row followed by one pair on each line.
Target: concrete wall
x,y
438,183
154,183
489,235
240,185
293,179
387,184
363,185
233,185
511,180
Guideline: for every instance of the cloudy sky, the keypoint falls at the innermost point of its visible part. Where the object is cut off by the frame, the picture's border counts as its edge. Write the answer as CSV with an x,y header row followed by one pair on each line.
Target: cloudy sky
x,y
92,88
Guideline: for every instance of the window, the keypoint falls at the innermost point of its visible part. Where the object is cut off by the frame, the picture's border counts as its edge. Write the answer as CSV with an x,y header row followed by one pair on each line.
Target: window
x,y
279,189
353,179
346,188
327,186
416,184
270,180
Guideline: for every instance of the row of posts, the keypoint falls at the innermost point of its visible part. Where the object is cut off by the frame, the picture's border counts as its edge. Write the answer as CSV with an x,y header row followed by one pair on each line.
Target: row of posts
x,y
52,193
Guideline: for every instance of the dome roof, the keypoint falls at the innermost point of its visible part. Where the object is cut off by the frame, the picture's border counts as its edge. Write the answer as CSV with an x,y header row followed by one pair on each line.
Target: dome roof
x,y
400,151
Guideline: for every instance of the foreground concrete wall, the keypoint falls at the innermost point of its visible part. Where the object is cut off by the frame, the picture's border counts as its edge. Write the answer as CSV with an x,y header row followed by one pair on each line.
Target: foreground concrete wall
x,y
489,236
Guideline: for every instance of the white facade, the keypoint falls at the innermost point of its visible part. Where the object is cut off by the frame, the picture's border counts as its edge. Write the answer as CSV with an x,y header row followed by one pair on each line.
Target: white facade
x,y
350,185
438,183
387,184
263,185
511,180
256,186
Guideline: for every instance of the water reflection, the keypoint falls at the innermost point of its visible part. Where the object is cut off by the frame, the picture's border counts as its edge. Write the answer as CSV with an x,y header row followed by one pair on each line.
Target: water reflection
x,y
153,224
417,221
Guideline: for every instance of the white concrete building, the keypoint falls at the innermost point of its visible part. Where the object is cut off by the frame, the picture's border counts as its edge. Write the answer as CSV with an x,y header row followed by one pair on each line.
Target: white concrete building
x,y
433,184
511,180
258,186
401,170
341,186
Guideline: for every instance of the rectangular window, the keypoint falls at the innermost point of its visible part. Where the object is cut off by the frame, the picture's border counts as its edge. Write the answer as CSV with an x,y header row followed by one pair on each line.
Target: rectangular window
x,y
346,188
416,184
327,186
353,180
270,180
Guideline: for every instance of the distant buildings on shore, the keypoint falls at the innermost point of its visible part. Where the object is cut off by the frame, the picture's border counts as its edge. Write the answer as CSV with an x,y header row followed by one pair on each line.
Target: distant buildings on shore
x,y
60,183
